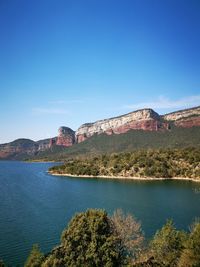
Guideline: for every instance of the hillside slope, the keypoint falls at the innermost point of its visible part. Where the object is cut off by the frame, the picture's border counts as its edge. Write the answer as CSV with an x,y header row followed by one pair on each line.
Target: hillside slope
x,y
138,129
162,163
130,141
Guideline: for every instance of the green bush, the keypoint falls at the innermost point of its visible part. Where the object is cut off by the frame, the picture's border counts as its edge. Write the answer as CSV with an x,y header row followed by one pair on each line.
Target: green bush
x,y
190,256
35,258
87,241
167,245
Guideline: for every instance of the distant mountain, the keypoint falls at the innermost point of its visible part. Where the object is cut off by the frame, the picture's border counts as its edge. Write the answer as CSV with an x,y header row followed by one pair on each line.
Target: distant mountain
x,y
132,140
21,148
139,129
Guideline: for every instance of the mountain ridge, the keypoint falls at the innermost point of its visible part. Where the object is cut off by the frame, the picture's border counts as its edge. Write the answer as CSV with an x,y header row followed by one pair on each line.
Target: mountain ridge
x,y
146,120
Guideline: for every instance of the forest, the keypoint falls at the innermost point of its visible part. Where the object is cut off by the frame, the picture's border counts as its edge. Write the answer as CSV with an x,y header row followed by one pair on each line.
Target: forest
x,y
154,163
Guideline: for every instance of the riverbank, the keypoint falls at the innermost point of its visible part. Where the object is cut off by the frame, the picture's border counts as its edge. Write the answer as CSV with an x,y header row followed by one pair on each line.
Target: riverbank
x,y
124,177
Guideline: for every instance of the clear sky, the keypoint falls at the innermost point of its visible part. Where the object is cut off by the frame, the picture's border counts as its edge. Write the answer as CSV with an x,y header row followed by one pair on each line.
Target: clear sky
x,y
67,62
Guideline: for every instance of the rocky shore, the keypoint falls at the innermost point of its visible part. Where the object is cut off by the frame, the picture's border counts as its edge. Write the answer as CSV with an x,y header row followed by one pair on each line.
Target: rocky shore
x,y
124,177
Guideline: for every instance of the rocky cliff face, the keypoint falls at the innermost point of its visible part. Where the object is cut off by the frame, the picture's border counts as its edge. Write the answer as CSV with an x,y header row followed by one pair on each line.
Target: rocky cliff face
x,y
145,119
22,148
184,118
66,137
43,145
18,147
182,114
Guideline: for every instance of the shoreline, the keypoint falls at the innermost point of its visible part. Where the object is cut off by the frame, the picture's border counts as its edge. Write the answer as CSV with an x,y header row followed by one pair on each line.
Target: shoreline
x,y
40,161
124,178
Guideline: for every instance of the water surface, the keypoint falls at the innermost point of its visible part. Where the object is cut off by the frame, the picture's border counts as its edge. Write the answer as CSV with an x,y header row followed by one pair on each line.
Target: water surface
x,y
35,206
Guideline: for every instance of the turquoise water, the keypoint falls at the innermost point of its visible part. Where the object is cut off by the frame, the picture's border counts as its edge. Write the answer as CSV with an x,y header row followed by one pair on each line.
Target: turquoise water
x,y
35,206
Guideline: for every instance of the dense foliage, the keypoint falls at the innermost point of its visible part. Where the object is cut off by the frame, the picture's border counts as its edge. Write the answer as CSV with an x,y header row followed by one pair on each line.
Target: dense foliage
x,y
190,256
167,245
162,163
88,241
35,258
126,142
93,238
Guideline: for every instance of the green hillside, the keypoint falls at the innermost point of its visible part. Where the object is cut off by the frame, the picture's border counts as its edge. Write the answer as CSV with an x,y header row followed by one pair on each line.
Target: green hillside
x,y
130,141
161,163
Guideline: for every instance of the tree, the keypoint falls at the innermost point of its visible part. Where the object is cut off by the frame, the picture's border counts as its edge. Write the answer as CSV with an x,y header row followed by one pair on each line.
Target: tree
x,y
55,258
167,245
129,232
87,241
191,254
35,257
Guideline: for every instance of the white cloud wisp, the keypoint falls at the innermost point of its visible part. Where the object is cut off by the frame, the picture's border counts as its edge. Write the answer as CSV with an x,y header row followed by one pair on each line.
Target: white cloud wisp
x,y
166,103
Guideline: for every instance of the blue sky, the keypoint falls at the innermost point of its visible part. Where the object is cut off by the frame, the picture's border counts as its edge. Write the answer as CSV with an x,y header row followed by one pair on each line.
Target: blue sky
x,y
67,62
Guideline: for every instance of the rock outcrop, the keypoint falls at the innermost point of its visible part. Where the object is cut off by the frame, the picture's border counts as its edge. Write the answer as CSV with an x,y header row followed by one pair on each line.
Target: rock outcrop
x,y
184,118
182,114
23,148
44,144
145,119
66,137
18,147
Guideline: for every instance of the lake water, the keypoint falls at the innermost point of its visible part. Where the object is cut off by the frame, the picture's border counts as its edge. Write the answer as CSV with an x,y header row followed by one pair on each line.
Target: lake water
x,y
35,206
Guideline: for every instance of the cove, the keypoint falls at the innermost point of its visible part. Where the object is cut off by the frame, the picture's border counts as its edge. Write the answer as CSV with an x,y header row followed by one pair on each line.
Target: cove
x,y
35,206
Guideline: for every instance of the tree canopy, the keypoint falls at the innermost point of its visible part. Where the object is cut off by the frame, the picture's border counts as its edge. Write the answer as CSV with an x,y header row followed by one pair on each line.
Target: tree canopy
x,y
94,239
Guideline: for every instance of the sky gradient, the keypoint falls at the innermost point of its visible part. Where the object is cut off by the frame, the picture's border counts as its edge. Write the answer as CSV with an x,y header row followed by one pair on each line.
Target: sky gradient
x,y
68,62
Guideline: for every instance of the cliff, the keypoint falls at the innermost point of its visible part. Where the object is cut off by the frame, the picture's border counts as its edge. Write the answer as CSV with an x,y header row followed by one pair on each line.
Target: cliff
x,y
145,119
184,118
18,147
142,122
66,137
182,114
24,148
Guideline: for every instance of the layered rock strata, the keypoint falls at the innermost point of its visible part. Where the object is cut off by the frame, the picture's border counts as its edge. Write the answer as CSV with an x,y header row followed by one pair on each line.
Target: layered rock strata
x,y
27,147
66,137
184,118
19,146
145,119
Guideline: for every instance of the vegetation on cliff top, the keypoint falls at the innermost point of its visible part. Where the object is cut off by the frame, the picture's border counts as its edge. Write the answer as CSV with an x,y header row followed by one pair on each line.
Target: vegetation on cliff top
x,y
93,238
162,163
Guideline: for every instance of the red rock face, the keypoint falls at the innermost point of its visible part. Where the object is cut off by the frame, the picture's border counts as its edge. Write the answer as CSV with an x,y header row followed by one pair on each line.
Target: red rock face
x,y
12,149
66,137
64,141
81,137
145,119
188,123
5,154
147,125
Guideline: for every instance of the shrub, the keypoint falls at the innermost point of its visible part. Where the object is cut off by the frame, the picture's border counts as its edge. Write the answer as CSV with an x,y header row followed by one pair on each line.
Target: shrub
x,y
87,241
191,254
35,257
167,245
